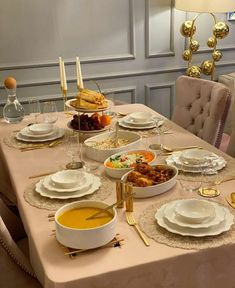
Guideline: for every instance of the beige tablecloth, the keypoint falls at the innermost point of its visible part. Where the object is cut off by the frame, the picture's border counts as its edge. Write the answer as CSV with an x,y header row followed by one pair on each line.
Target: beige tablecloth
x,y
133,265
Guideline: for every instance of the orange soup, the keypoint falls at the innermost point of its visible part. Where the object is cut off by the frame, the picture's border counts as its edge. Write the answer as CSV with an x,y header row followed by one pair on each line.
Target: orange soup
x,y
76,218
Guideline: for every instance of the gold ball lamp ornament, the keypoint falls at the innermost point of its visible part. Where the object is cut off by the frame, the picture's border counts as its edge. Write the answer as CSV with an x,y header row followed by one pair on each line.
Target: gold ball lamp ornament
x,y
187,55
211,42
194,45
194,71
220,30
217,55
207,67
187,29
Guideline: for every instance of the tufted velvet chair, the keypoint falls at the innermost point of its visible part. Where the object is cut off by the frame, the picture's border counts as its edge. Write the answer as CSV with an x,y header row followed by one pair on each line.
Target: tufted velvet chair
x,y
231,144
201,107
15,268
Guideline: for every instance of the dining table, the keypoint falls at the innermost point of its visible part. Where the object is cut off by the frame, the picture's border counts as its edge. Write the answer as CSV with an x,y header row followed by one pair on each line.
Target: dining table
x,y
208,262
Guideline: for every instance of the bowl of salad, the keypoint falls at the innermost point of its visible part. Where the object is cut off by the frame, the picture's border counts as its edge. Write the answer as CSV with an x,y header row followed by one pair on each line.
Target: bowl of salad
x,y
120,163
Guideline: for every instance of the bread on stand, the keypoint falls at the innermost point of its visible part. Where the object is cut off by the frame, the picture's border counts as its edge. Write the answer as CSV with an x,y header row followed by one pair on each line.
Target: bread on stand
x,y
89,99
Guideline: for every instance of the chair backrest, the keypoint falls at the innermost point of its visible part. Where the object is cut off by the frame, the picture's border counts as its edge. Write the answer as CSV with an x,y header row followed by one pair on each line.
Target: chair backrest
x,y
201,107
15,267
231,145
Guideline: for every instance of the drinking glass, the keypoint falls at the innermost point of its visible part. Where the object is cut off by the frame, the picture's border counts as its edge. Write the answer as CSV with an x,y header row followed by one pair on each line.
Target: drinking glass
x,y
210,180
89,165
34,109
73,149
190,181
49,112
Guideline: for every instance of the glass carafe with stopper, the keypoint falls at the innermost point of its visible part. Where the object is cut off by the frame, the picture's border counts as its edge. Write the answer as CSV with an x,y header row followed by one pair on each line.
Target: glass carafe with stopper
x,y
13,111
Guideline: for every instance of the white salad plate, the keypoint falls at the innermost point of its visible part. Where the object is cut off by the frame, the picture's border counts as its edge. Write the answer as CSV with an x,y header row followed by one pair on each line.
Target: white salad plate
x,y
171,216
58,134
130,121
122,122
223,226
68,104
218,163
40,189
82,186
27,133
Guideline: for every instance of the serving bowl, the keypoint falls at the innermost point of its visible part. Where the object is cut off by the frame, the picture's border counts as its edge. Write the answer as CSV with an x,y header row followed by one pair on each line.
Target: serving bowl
x,y
67,178
41,128
140,117
153,190
81,238
96,152
194,210
120,163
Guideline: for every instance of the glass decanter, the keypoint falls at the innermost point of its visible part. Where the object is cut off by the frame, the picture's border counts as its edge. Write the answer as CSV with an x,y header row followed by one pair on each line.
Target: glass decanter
x,y
13,111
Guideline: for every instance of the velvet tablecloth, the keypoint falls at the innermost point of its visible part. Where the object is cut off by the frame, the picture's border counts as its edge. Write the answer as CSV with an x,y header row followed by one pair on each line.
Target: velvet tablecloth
x,y
133,265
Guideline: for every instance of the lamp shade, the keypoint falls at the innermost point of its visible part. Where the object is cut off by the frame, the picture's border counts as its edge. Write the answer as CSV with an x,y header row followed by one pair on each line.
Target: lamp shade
x,y
211,6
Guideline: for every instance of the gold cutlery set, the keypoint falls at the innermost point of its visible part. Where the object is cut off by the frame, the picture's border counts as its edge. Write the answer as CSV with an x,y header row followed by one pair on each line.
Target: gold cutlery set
x,y
40,146
124,194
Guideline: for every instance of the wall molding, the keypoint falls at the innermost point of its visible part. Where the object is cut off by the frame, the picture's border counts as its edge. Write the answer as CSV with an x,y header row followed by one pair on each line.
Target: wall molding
x,y
171,52
149,87
86,60
58,97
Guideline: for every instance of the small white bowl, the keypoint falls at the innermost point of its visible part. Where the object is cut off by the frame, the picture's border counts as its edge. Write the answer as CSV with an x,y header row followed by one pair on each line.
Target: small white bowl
x,y
67,178
41,128
140,117
150,191
119,172
194,210
195,156
85,238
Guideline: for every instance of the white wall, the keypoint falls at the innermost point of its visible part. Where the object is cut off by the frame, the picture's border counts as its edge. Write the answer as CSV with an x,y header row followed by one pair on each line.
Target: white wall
x,y
130,46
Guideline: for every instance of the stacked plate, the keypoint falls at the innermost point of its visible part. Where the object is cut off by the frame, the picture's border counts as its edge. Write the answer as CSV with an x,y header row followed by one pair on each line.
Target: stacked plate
x,y
67,184
28,134
192,217
196,161
128,122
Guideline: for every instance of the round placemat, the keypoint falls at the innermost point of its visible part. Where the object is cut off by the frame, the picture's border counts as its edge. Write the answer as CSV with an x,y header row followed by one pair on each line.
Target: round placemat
x,y
150,227
36,200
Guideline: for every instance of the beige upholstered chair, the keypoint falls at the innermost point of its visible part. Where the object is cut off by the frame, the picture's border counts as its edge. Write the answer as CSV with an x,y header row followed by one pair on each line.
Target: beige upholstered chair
x,y
15,268
231,144
201,107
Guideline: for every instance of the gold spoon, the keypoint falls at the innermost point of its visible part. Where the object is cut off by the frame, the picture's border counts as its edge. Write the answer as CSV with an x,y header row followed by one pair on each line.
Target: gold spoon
x,y
169,149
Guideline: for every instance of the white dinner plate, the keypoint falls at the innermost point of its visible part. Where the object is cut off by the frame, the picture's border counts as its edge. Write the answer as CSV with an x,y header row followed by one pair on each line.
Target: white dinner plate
x,y
225,225
88,131
170,215
27,133
68,104
39,188
122,122
86,184
57,135
174,159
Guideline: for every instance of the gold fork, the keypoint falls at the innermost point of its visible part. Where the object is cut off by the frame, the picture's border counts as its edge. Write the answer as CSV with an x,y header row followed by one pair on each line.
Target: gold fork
x,y
131,221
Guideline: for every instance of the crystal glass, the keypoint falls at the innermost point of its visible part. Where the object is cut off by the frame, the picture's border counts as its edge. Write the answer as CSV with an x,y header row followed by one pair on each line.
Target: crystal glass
x,y
34,109
73,149
190,182
89,164
49,112
210,180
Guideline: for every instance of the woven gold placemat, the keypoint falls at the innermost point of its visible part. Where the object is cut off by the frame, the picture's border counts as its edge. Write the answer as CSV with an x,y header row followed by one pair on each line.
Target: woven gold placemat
x,y
149,225
36,200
